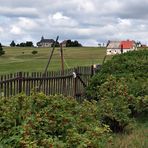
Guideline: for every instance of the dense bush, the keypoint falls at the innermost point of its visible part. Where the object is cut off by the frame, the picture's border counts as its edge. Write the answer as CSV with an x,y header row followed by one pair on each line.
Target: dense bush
x,y
34,52
120,85
114,104
55,121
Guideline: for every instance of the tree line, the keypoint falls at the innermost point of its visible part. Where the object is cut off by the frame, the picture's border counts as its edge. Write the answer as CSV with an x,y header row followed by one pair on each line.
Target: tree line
x,y
69,43
22,44
75,43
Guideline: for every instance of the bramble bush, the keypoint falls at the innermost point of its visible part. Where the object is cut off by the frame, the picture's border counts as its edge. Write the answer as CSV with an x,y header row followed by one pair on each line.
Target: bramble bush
x,y
120,88
50,121
113,104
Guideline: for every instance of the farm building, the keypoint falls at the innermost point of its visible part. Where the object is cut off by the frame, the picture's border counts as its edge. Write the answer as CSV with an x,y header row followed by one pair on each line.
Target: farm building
x,y
118,47
45,42
64,43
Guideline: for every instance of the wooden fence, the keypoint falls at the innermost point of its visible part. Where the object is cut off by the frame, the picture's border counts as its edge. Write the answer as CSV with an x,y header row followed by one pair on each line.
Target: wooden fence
x,y
52,82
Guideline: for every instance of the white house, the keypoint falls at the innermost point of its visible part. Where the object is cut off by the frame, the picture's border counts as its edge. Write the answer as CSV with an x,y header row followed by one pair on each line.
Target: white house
x,y
118,47
45,42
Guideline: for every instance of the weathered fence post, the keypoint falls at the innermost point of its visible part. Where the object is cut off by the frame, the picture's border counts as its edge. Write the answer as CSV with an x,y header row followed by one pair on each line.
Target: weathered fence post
x,y
75,82
92,70
20,82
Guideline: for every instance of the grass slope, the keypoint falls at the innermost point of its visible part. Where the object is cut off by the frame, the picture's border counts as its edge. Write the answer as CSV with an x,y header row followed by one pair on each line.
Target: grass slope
x,y
21,59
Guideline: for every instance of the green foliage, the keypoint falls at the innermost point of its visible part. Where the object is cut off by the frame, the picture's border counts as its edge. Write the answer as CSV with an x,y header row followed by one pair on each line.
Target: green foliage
x,y
12,44
122,83
113,104
75,43
34,52
1,50
55,121
29,44
56,45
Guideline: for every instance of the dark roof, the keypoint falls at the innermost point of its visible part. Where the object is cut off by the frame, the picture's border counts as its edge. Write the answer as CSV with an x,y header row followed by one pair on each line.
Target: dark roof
x,y
45,40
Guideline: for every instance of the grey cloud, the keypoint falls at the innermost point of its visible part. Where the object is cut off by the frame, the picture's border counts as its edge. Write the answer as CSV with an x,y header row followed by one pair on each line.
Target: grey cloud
x,y
18,12
90,21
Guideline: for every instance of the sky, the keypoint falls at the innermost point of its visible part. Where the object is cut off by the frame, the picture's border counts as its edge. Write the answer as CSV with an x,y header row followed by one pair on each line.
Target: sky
x,y
88,21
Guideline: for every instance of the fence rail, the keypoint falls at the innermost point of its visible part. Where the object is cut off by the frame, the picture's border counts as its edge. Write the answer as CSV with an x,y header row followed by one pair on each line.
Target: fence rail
x,y
52,82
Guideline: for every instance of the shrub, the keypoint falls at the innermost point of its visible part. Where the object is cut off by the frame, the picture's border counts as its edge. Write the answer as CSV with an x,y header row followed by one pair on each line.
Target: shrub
x,y
55,121
113,104
121,84
34,52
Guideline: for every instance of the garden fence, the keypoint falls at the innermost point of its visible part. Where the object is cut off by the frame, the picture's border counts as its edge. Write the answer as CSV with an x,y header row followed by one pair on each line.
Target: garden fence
x,y
71,82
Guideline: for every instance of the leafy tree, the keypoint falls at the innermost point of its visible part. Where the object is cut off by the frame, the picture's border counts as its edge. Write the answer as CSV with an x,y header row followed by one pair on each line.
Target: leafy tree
x,y
29,44
17,45
75,43
12,44
57,44
68,43
1,50
22,44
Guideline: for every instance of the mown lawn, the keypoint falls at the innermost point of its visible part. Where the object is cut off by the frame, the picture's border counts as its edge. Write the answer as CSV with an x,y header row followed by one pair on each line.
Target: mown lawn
x,y
21,59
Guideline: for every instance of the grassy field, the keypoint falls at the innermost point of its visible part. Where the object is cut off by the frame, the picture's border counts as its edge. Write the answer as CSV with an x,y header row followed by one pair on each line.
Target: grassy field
x,y
21,59
137,138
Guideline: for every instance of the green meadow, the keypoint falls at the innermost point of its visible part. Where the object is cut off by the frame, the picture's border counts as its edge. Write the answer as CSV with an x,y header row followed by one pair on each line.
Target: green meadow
x,y
21,58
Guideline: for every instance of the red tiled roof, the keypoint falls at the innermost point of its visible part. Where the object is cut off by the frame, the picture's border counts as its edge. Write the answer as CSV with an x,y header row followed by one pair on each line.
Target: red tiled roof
x,y
127,44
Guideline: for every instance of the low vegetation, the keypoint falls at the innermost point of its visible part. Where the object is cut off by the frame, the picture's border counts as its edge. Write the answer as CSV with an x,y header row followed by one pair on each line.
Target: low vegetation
x,y
34,52
120,88
54,121
113,115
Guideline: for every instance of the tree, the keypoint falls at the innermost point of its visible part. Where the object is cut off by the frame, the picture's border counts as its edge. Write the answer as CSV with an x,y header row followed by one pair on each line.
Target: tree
x,y
57,44
75,43
1,50
12,44
68,43
29,44
22,44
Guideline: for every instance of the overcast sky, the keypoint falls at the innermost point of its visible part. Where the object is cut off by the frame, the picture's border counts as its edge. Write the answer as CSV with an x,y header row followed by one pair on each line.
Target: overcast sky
x,y
88,21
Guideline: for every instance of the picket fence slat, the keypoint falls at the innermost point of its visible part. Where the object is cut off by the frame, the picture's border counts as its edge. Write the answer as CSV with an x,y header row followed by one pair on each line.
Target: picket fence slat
x,y
52,82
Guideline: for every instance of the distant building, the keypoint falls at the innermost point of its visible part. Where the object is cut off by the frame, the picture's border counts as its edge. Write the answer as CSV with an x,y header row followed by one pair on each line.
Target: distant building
x,y
118,47
64,43
45,42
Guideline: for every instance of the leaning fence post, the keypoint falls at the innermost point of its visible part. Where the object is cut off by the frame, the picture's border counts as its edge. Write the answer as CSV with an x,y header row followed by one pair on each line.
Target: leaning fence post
x,y
20,82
